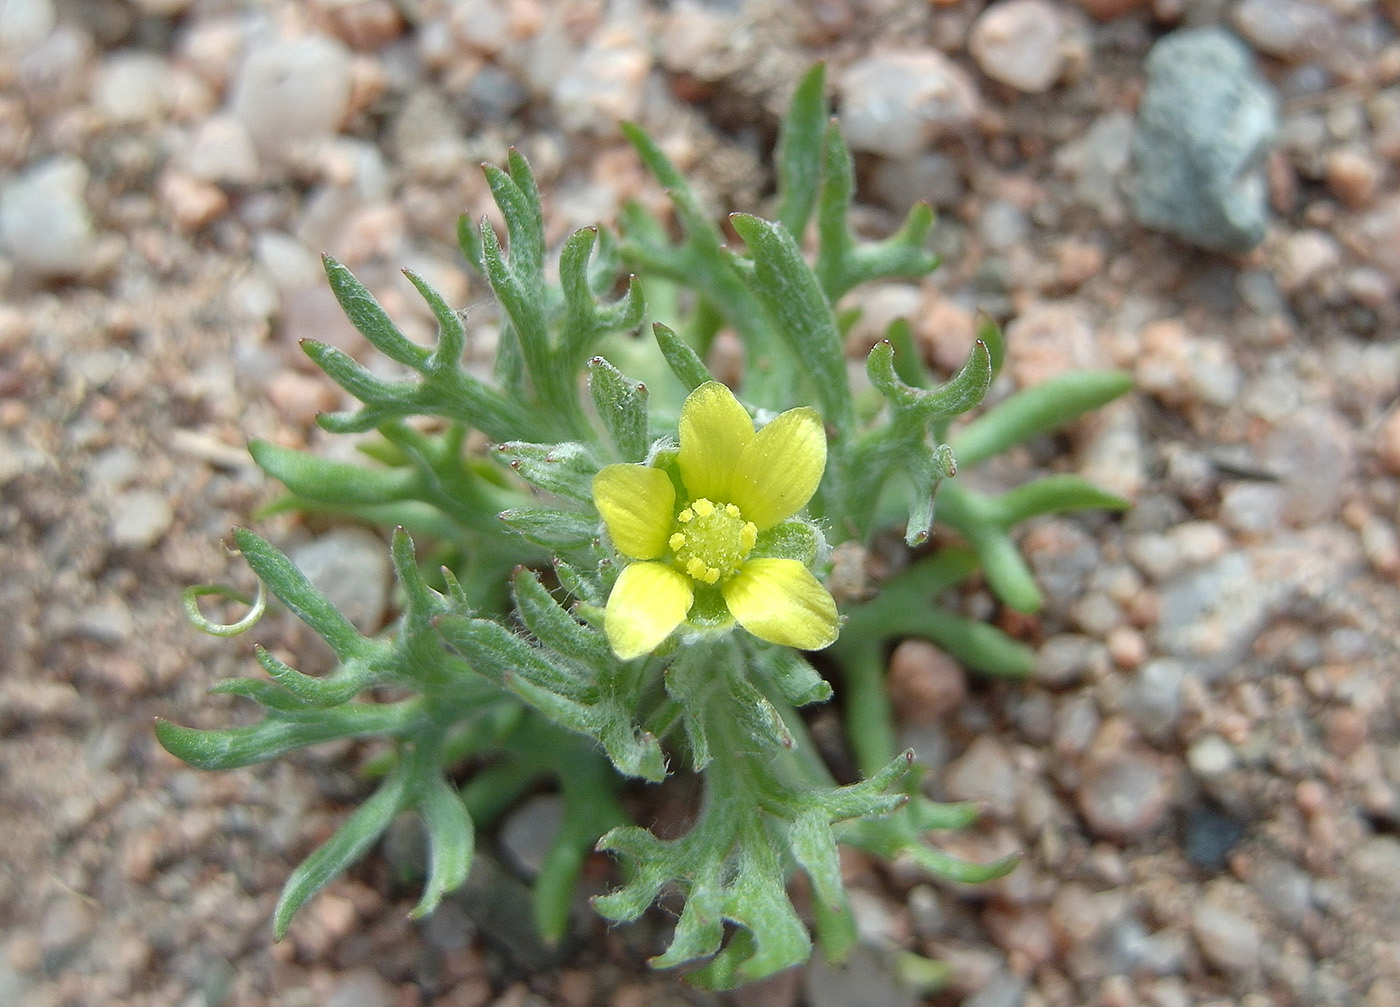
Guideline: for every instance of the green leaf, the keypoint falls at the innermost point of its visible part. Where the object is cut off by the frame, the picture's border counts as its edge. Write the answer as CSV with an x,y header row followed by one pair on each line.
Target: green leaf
x,y
521,209
280,732
684,362
256,607
451,842
560,688
799,152
296,592
555,628
793,300
622,406
1056,494
1037,410
927,475
585,318
452,335
557,530
347,681
963,391
793,677
319,479
565,469
369,318
350,842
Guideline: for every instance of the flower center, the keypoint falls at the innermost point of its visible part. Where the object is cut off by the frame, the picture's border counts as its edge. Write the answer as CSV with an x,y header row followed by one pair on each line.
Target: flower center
x,y
711,540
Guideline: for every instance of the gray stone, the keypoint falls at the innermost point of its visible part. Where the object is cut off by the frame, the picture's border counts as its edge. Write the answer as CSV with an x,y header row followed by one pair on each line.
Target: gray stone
x,y
1252,507
1314,452
1284,887
897,103
986,773
1153,697
1377,864
932,178
361,988
1290,29
222,151
1227,939
134,87
1205,125
1125,796
351,567
866,979
1097,163
293,93
25,23
529,832
44,219
138,518
1005,989
1021,43
449,928
1068,658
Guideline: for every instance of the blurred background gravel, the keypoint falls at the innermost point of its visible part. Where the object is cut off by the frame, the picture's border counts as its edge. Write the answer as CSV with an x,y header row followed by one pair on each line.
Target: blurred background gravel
x,y
1204,774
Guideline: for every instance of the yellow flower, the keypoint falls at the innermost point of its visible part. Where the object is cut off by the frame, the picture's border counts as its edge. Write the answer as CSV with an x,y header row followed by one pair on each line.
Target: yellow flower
x,y
738,483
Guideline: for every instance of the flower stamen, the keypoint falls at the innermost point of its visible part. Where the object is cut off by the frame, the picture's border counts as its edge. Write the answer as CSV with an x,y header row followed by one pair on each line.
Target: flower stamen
x,y
711,540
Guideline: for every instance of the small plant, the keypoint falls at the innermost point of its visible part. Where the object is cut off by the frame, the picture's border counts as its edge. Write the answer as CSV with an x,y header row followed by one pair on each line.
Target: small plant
x,y
631,578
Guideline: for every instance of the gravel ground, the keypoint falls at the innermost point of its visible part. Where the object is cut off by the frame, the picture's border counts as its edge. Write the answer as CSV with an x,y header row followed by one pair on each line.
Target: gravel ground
x,y
1205,772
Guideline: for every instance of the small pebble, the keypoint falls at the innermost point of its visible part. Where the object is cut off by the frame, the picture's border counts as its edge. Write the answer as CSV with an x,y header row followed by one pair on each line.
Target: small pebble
x,y
1353,175
44,218
987,773
924,682
529,831
1226,938
1210,834
603,86
134,87
24,24
1076,722
138,518
1211,756
1124,796
1284,887
222,151
361,987
1255,508
1021,43
1313,451
351,567
1153,698
1290,29
931,177
1067,659
1005,989
897,103
292,93
1107,10
1378,237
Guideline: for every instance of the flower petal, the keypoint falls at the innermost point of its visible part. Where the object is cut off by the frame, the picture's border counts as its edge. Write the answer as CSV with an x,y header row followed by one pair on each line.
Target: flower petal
x,y
780,468
714,430
779,600
638,505
647,602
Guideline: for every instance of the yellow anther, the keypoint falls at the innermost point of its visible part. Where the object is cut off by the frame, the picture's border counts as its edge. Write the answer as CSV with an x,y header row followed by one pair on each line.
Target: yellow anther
x,y
715,542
